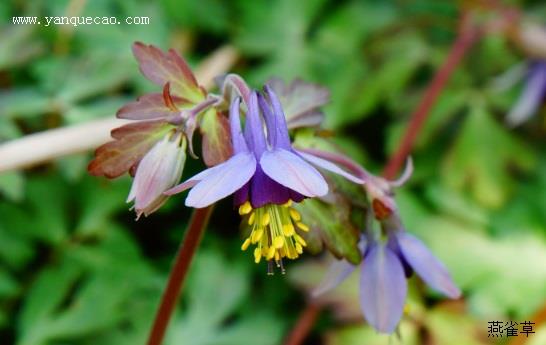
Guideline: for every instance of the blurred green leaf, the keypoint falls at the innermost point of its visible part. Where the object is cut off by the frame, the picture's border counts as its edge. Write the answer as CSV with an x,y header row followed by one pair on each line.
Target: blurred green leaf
x,y
480,157
12,185
215,289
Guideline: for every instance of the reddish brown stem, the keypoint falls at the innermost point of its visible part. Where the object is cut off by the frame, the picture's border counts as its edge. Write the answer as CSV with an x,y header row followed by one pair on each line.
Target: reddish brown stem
x,y
186,251
304,324
468,34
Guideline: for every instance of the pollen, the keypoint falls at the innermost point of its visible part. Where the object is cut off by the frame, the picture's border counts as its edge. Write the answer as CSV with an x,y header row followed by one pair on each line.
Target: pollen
x,y
274,231
245,208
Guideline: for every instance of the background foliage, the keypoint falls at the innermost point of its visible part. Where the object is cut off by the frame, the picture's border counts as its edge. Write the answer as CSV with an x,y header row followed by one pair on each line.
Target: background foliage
x,y
76,269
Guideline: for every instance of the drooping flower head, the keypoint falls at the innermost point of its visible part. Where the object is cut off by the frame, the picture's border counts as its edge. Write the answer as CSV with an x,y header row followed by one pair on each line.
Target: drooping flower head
x,y
390,256
153,147
266,175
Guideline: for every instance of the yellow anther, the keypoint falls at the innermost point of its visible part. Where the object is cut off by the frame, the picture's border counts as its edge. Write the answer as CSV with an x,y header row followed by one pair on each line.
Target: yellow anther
x,y
270,253
302,226
300,240
406,309
257,255
245,208
265,219
246,243
288,230
278,242
292,254
257,235
295,215
273,231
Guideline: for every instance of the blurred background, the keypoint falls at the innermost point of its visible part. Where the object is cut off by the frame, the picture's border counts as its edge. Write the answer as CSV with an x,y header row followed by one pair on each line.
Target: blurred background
x,y
75,267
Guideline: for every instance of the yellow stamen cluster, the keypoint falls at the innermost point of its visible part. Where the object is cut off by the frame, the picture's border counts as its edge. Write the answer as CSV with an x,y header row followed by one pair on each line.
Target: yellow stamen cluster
x,y
274,231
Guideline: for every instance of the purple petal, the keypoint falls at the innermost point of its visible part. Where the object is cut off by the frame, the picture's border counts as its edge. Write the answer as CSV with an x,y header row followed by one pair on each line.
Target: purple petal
x,y
239,143
430,269
264,190
327,165
393,245
261,190
277,122
531,97
192,181
269,120
293,172
383,289
338,272
254,128
218,182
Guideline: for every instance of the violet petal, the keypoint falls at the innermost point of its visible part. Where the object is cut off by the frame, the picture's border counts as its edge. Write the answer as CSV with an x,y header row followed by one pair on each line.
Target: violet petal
x,y
293,172
239,143
427,266
282,140
327,165
254,128
337,273
531,97
219,181
383,289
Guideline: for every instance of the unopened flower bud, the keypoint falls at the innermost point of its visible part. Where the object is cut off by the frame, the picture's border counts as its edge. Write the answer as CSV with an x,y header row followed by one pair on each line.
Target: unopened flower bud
x,y
159,170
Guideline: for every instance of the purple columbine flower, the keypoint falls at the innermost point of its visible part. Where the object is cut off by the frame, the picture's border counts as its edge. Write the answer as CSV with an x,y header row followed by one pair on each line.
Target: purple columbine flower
x,y
389,257
266,175
532,96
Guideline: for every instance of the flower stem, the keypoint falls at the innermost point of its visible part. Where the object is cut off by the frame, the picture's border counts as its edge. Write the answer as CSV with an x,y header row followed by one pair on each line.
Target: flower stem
x,y
304,324
186,251
468,35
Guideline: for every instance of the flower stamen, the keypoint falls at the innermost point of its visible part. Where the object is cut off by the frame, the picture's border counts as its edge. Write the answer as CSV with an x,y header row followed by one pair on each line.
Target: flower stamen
x,y
273,229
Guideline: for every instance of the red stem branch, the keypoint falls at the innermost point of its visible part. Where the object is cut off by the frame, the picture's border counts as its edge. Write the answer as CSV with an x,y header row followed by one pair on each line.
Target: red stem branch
x,y
186,251
304,324
468,34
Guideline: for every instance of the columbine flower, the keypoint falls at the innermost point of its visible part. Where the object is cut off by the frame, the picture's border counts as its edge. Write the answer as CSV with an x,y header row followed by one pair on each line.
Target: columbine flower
x,y
266,175
532,96
389,258
159,170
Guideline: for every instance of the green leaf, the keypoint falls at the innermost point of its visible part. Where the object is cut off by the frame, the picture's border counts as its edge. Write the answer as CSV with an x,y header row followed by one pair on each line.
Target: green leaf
x,y
215,291
331,223
208,15
480,157
12,185
477,261
8,285
43,299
